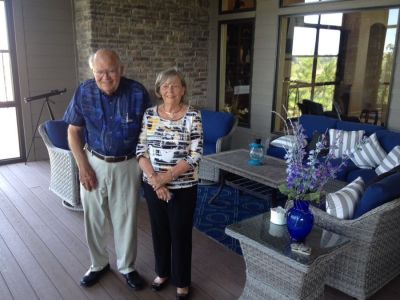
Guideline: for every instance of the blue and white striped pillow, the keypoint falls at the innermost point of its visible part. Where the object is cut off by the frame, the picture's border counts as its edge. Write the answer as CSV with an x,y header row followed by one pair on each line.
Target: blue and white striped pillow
x,y
341,142
286,141
369,154
342,203
390,161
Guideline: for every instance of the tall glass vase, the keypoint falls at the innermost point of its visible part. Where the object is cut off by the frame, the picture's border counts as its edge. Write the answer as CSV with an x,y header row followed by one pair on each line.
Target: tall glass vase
x,y
300,220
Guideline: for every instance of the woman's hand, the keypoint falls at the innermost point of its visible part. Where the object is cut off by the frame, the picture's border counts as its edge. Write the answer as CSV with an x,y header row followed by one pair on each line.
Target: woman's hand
x,y
164,194
159,179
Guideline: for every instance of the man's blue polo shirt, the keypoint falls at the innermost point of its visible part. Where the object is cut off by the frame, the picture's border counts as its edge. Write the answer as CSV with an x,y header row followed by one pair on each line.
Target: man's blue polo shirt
x,y
112,123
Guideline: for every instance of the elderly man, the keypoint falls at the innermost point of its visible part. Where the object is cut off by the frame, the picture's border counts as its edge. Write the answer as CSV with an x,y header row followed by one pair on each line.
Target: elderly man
x,y
104,119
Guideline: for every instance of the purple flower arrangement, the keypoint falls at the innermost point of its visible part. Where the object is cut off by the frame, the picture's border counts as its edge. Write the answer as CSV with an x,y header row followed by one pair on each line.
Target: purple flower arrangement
x,y
307,172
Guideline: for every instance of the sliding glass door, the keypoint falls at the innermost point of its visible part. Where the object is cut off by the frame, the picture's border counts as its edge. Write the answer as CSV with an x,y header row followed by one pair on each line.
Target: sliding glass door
x,y
11,148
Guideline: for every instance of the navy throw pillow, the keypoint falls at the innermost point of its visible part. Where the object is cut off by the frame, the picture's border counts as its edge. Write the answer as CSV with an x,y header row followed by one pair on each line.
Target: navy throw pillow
x,y
379,193
57,133
384,175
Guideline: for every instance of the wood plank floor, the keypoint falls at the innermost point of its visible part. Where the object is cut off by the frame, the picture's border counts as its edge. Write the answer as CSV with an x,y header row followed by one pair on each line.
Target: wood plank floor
x,y
43,251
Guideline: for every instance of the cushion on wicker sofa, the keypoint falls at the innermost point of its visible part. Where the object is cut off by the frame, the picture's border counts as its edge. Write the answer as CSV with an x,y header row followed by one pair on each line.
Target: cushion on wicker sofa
x,y
341,142
342,203
384,175
215,125
285,141
379,193
369,154
352,126
312,123
57,132
391,161
366,174
388,139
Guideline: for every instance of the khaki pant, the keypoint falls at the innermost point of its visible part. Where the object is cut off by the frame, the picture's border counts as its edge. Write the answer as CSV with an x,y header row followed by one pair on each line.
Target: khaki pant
x,y
113,203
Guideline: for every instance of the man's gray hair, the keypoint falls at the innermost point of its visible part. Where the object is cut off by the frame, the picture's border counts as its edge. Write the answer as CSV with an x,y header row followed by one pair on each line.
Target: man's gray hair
x,y
109,51
90,61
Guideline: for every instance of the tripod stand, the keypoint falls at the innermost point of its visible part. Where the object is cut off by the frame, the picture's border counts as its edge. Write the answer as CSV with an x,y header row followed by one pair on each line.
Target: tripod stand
x,y
45,102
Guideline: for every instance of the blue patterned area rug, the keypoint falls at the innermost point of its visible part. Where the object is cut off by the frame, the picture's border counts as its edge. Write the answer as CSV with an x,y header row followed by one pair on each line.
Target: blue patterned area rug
x,y
231,206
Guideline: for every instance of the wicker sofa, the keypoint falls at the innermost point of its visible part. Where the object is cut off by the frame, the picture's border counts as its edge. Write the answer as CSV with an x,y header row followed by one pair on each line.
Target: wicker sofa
x,y
374,258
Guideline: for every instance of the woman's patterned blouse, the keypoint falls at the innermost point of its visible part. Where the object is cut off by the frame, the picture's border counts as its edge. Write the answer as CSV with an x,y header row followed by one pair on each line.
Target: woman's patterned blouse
x,y
166,142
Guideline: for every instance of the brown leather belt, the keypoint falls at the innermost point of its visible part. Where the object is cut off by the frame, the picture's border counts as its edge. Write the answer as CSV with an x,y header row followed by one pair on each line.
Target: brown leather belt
x,y
110,159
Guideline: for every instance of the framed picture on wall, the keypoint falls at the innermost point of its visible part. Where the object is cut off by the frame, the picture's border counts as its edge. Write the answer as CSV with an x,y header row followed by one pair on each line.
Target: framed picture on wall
x,y
231,6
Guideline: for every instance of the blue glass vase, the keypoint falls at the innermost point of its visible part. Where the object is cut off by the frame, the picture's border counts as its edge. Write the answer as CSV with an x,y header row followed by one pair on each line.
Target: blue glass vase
x,y
300,220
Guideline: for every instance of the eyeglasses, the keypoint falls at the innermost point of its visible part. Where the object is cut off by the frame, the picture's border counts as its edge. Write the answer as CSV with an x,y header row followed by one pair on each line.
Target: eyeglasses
x,y
101,73
173,86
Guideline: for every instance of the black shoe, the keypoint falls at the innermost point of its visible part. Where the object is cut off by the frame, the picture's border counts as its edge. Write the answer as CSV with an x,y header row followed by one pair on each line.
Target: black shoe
x,y
155,286
134,280
183,296
93,277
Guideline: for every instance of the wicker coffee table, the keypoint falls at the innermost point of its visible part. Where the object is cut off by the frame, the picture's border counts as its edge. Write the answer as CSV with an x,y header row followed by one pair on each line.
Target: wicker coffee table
x,y
273,271
260,181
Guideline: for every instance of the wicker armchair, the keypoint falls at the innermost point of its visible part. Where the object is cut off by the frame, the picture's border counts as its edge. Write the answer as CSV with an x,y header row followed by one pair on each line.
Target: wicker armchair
x,y
64,180
374,258
218,129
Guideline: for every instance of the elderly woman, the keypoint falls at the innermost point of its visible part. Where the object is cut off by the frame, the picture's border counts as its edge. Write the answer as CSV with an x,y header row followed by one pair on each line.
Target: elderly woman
x,y
169,149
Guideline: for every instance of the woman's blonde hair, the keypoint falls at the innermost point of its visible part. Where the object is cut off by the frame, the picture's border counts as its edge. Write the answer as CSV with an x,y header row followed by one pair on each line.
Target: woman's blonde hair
x,y
163,76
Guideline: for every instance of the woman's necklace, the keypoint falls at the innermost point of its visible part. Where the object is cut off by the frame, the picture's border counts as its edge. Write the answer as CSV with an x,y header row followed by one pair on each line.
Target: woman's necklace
x,y
172,114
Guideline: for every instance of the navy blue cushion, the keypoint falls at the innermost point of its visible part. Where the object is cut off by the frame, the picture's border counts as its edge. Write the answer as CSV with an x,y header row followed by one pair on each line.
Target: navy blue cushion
x,y
57,133
384,175
388,139
313,123
216,125
208,148
379,193
278,152
366,174
352,126
344,170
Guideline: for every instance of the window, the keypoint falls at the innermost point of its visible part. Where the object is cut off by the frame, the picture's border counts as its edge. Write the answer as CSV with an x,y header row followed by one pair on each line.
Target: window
x,y
313,60
342,60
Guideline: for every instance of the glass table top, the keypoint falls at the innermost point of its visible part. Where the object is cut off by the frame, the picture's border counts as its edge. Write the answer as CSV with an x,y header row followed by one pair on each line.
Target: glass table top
x,y
261,232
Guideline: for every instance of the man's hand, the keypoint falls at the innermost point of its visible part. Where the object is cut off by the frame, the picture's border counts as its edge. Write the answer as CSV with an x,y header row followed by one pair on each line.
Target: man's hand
x,y
88,178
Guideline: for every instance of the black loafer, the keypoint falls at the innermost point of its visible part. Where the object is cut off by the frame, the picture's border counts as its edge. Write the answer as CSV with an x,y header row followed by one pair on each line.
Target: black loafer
x,y
134,280
93,277
155,286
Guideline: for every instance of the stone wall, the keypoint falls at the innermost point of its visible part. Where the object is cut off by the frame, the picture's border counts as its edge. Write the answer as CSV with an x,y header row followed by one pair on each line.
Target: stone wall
x,y
149,36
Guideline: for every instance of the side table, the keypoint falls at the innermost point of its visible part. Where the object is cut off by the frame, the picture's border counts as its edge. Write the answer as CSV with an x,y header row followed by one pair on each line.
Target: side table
x,y
273,271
